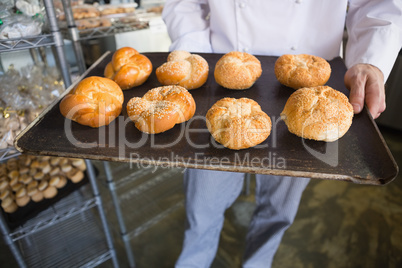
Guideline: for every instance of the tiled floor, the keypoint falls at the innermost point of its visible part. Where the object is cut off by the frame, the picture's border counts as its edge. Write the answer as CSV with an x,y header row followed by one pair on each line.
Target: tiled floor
x,y
339,224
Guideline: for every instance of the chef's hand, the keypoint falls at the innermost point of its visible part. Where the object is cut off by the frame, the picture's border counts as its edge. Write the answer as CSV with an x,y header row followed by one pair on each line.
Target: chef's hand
x,y
366,85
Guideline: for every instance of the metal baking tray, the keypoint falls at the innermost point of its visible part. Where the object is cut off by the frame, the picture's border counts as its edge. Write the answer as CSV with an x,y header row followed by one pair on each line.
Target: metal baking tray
x,y
361,156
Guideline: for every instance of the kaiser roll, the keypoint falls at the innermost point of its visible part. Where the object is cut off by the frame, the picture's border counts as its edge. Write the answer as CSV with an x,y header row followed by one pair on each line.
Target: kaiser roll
x,y
297,71
161,108
184,69
94,102
238,123
237,70
318,113
128,68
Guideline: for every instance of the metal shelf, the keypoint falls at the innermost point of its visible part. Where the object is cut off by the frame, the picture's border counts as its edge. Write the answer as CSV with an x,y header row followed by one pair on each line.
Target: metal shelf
x,y
70,206
8,153
100,32
139,185
138,188
28,42
75,243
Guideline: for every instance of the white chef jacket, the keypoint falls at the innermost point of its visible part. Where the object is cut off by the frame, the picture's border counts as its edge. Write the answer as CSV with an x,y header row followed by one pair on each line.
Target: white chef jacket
x,y
276,27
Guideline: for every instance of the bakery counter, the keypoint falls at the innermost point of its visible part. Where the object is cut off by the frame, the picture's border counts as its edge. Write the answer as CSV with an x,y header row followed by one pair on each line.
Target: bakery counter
x,y
361,156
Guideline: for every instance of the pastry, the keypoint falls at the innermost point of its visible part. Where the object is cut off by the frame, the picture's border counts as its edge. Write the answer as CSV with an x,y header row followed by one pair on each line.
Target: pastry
x,y
76,176
49,192
128,68
238,123
161,108
318,113
297,71
184,69
237,70
94,102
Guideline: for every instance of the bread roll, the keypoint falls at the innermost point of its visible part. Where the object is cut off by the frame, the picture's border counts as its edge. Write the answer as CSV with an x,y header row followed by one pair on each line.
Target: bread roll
x,y
76,176
37,197
128,68
39,175
62,182
4,185
297,71
50,192
31,191
5,193
161,108
238,123
54,171
94,102
237,70
318,113
9,207
55,161
45,167
184,69
66,168
25,179
43,185
23,200
80,164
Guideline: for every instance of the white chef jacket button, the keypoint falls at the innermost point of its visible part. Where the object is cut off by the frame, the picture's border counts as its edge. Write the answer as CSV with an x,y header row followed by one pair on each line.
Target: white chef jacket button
x,y
242,5
293,48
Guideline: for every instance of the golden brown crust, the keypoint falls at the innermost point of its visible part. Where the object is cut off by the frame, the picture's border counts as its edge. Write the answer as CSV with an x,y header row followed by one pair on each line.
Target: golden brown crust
x,y
128,68
237,70
37,197
10,207
95,101
184,69
161,108
23,200
303,70
50,192
75,176
62,182
238,123
318,113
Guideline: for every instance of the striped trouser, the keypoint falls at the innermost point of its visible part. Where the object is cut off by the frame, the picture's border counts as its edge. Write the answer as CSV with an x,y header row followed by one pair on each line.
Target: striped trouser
x,y
210,193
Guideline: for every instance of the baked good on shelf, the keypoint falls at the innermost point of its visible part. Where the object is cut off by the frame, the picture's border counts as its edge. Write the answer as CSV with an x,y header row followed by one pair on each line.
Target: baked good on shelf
x,y
303,70
62,182
54,171
50,192
238,123
95,102
22,200
318,113
66,168
128,68
184,69
75,175
161,108
237,70
4,185
5,193
80,164
37,197
88,23
9,205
